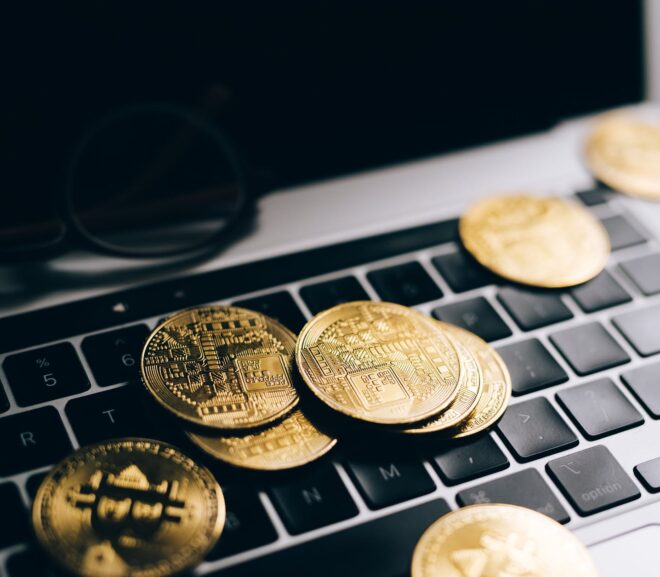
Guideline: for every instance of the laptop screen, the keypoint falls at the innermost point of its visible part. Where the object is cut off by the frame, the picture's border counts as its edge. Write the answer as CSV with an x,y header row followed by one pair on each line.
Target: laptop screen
x,y
306,91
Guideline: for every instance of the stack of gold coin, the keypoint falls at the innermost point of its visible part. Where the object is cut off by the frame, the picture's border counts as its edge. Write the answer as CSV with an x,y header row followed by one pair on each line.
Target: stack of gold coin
x,y
227,375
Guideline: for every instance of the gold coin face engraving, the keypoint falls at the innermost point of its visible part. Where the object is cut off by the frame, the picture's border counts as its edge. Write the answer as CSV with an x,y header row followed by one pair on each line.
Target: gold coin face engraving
x,y
539,241
293,442
495,540
379,362
221,367
130,507
471,386
624,153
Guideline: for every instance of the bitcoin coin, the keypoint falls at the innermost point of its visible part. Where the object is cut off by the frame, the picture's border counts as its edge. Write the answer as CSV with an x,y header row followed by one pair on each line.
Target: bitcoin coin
x,y
471,386
495,540
128,508
538,241
379,362
624,153
221,367
293,442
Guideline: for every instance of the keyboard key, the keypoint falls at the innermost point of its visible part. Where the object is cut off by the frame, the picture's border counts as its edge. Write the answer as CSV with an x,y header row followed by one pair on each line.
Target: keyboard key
x,y
594,196
533,429
469,460
649,474
644,383
531,366
324,295
31,563
4,402
532,310
407,284
114,357
640,328
462,272
622,233
247,525
600,293
384,480
110,414
476,315
592,480
313,499
525,488
14,528
644,272
280,306
599,408
380,547
33,439
589,348
33,483
45,374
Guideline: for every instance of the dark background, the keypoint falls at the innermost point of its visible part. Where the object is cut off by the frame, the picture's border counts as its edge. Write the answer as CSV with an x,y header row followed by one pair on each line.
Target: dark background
x,y
307,90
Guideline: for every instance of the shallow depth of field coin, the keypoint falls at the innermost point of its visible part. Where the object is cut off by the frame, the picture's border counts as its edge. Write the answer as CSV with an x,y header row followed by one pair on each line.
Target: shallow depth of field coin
x,y
539,241
495,540
221,367
289,443
379,362
129,507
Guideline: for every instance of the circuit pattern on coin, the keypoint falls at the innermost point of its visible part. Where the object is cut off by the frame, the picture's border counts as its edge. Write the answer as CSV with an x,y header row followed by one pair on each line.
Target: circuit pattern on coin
x,y
128,508
379,362
539,241
494,540
290,443
221,367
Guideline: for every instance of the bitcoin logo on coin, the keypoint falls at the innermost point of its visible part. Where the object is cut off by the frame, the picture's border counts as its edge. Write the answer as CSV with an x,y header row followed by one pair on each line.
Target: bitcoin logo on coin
x,y
379,362
221,367
128,508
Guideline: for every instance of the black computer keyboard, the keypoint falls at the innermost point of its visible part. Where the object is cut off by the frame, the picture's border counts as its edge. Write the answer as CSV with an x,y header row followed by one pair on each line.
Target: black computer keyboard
x,y
69,377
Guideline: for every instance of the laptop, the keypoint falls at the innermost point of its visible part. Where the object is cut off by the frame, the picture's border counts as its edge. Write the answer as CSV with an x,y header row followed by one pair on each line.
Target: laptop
x,y
369,131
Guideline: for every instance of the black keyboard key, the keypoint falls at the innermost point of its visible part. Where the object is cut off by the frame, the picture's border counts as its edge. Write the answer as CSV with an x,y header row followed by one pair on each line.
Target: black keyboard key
x,y
110,414
280,306
525,488
462,272
33,439
531,366
600,293
640,328
407,284
4,402
599,408
644,272
45,374
594,196
589,348
385,480
592,480
380,547
648,473
469,460
14,528
324,295
533,429
247,525
532,310
31,563
644,383
622,234
34,482
315,498
476,315
114,357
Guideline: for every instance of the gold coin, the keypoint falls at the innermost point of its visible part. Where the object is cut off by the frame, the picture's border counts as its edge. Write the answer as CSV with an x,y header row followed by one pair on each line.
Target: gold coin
x,y
293,442
495,540
471,386
128,508
496,387
379,362
624,153
539,241
221,367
